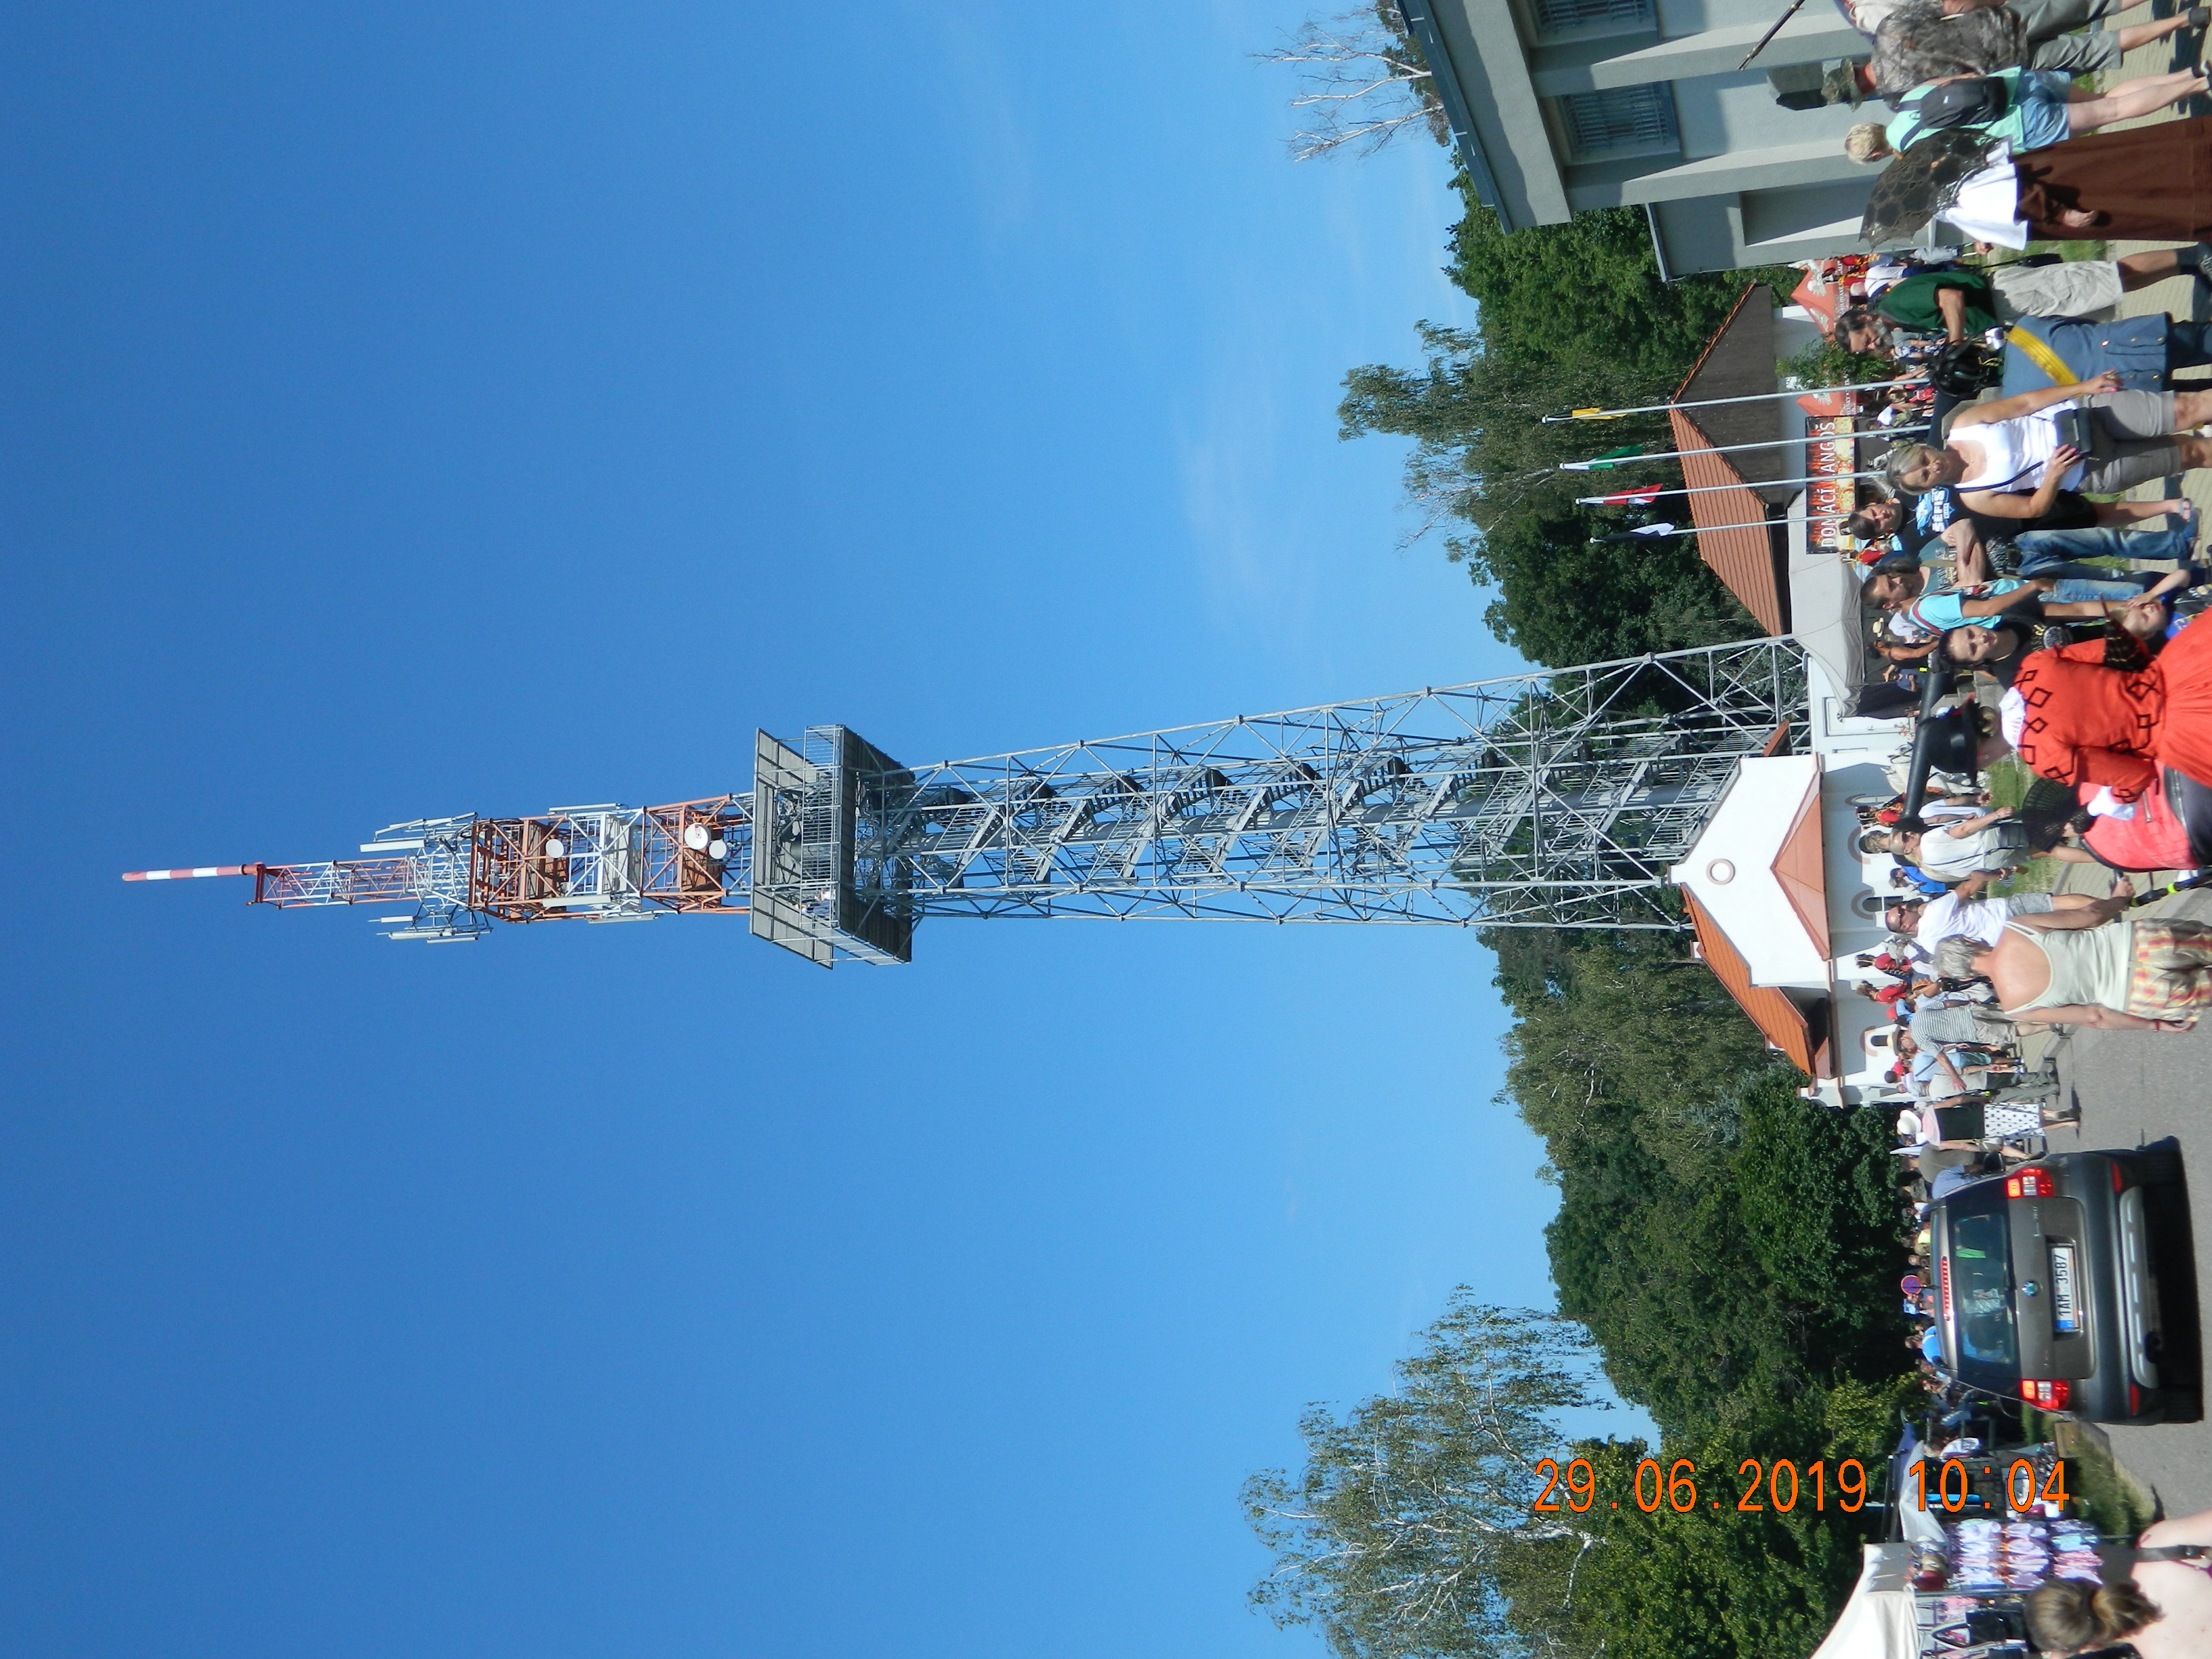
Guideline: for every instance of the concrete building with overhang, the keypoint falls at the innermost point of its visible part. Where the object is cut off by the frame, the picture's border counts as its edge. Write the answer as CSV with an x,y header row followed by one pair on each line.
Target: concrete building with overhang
x,y
1557,106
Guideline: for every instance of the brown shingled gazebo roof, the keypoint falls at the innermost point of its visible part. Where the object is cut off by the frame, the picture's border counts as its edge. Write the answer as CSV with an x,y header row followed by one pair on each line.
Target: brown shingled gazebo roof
x,y
1739,362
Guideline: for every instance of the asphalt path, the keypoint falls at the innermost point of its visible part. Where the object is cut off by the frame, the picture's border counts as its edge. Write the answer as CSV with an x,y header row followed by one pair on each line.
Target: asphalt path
x,y
2133,1088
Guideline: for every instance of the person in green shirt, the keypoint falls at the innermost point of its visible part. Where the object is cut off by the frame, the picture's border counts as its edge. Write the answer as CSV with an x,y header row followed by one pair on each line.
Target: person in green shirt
x,y
1955,303
1958,302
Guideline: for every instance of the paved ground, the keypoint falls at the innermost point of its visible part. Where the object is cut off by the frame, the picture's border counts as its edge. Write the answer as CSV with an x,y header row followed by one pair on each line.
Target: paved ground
x,y
2133,1088
2183,296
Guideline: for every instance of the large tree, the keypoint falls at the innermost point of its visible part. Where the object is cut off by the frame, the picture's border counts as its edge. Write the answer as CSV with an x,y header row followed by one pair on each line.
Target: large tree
x,y
1411,1532
1715,1232
1410,1529
1572,316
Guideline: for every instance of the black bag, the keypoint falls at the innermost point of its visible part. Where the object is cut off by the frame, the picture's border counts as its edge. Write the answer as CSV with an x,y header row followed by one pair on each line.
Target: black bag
x,y
1997,1625
2074,429
1955,740
1971,103
2192,804
1966,368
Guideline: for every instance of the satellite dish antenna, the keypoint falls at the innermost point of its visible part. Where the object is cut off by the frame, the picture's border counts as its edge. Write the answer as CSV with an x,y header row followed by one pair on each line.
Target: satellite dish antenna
x,y
695,837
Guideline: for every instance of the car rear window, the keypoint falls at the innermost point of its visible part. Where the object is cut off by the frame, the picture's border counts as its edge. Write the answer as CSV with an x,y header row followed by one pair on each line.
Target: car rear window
x,y
1981,1288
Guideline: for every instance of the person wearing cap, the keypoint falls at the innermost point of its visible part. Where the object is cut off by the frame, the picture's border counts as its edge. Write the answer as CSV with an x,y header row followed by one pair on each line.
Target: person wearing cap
x,y
1953,852
2023,109
1918,41
1816,85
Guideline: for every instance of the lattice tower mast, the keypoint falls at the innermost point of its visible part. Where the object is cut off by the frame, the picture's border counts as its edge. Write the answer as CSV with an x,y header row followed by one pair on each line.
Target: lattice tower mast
x,y
1553,799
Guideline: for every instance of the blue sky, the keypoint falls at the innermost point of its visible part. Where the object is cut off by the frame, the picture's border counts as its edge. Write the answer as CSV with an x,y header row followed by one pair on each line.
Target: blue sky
x,y
423,409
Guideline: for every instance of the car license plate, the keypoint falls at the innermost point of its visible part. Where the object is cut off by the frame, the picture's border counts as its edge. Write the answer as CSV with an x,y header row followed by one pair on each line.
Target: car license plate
x,y
2065,1303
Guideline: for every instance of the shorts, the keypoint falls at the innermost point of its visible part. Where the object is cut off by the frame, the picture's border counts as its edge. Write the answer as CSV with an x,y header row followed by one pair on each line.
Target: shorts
x,y
2039,112
2070,288
2179,988
2042,20
2131,440
2077,54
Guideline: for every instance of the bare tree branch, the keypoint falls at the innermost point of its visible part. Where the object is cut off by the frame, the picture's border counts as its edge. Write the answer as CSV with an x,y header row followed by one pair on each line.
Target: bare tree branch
x,y
1362,82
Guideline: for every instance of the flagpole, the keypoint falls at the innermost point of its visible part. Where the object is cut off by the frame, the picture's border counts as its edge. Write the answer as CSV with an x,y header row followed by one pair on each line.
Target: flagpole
x,y
1660,491
1699,529
1717,449
1715,403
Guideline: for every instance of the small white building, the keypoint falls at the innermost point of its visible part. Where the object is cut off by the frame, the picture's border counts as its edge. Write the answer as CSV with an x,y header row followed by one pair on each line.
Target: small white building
x,y
1783,903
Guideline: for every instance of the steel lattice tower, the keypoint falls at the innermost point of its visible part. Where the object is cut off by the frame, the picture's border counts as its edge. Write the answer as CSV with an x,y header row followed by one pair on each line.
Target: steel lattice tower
x,y
1554,799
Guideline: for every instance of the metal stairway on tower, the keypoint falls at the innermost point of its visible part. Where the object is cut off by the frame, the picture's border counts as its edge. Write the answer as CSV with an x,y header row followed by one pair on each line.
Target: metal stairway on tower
x,y
1554,799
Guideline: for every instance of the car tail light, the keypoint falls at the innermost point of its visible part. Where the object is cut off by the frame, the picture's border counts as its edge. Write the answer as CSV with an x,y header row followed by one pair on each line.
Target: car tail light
x,y
2030,1183
2116,1177
2135,1400
2052,1396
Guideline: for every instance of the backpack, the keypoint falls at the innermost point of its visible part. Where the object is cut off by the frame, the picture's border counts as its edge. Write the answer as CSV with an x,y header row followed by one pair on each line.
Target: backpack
x,y
1971,103
1966,105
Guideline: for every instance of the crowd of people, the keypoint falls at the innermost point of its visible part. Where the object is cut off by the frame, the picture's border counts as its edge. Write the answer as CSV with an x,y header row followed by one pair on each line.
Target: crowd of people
x,y
1990,128
1999,565
2026,612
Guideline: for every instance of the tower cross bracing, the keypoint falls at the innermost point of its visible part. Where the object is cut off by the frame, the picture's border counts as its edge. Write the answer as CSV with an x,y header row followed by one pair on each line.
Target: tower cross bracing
x,y
1554,799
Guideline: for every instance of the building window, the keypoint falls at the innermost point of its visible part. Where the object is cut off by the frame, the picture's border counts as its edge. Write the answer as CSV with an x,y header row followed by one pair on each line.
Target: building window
x,y
1618,120
1566,17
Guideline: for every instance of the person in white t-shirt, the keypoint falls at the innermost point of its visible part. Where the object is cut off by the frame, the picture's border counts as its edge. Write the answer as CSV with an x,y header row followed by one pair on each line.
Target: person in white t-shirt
x,y
1963,913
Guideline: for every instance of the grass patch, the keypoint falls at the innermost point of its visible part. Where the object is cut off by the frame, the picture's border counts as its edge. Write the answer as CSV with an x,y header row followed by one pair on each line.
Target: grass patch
x,y
2008,781
2070,252
2105,1493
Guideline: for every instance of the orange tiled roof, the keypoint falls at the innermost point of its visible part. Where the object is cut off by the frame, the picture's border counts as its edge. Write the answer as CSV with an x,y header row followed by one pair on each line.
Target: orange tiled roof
x,y
1783,1022
1799,866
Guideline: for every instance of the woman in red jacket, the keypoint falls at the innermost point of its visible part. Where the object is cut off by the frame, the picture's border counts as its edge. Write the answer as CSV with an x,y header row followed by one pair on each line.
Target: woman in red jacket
x,y
2112,711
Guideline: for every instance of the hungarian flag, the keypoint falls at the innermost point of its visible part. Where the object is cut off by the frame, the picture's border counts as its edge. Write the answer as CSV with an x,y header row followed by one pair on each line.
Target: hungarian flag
x,y
1631,497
